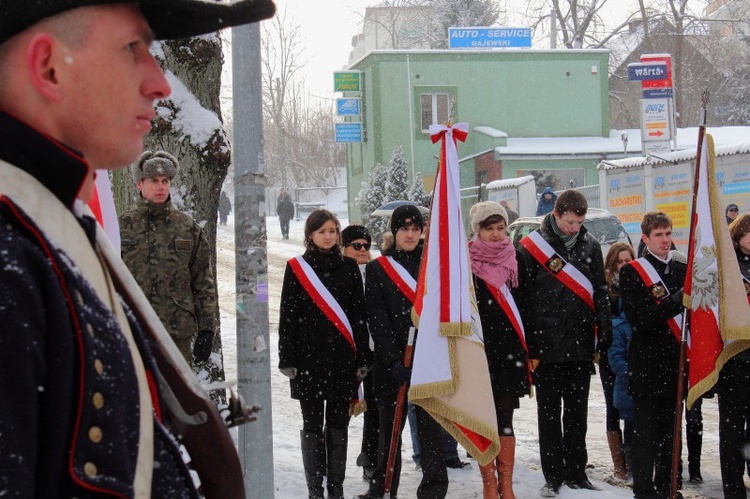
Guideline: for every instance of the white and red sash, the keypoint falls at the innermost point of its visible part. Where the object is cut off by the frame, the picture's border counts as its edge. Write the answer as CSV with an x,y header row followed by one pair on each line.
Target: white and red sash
x,y
565,272
508,305
322,298
657,290
400,277
504,298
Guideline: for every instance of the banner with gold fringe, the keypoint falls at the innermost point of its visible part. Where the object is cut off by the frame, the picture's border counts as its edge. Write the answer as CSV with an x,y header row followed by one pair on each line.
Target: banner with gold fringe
x,y
714,293
450,377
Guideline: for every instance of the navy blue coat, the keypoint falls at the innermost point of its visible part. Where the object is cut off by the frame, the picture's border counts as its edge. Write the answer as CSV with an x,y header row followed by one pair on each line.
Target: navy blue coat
x,y
618,361
69,405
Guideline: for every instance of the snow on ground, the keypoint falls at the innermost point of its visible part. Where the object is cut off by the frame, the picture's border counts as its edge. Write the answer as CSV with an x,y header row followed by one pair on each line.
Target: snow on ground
x,y
465,483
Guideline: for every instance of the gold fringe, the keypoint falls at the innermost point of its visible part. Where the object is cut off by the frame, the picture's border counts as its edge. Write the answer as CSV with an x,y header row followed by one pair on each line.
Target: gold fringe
x,y
429,390
357,408
447,415
414,317
709,381
448,329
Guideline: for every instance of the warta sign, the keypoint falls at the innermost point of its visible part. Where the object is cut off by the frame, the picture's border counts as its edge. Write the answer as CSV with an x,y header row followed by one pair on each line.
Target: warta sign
x,y
489,38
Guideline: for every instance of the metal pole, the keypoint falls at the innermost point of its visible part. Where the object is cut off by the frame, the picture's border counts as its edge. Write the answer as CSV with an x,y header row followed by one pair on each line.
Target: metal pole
x,y
255,440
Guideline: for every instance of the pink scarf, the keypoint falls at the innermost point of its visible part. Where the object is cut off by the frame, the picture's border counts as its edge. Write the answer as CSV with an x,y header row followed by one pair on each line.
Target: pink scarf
x,y
494,262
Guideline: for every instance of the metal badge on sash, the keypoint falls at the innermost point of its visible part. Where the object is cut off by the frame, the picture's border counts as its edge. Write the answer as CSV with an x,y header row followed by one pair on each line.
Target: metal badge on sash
x,y
658,291
555,264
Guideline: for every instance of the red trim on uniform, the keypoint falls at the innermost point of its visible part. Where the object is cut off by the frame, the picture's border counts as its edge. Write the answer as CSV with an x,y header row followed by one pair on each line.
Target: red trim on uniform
x,y
152,387
15,210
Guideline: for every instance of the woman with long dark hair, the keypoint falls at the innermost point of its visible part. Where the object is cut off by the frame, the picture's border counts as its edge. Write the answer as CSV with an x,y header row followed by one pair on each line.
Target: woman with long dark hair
x,y
613,367
495,268
323,348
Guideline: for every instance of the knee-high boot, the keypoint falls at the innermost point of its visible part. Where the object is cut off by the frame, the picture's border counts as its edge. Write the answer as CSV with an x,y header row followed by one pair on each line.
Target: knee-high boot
x,y
505,462
614,439
336,442
314,461
489,480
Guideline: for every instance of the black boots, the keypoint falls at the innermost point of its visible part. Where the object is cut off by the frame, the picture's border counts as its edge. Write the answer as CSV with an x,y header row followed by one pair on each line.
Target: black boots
x,y
314,461
336,442
694,433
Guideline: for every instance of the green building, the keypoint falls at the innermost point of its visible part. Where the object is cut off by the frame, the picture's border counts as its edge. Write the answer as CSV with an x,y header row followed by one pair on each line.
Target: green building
x,y
544,111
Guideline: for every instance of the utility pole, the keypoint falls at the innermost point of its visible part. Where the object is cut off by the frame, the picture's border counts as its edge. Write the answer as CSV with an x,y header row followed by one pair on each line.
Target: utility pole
x,y
251,262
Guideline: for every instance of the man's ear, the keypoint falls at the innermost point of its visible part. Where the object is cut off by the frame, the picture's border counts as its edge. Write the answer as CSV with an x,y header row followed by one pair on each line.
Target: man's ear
x,y
41,61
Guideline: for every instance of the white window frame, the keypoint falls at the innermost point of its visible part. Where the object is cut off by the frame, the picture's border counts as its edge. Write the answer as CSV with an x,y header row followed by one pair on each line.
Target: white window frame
x,y
435,119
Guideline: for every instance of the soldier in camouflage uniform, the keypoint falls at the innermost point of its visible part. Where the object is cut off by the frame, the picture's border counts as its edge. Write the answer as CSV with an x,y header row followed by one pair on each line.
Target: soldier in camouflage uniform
x,y
169,256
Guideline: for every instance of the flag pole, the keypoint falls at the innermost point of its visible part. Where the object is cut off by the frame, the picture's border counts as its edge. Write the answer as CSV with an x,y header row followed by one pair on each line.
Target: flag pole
x,y
681,374
398,417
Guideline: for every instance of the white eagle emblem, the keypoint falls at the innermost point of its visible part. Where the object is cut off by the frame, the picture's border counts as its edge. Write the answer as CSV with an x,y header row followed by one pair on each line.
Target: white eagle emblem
x,y
705,292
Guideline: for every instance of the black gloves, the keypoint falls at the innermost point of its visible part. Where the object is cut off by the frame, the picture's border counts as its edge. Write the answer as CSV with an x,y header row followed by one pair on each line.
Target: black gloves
x,y
677,296
202,346
400,372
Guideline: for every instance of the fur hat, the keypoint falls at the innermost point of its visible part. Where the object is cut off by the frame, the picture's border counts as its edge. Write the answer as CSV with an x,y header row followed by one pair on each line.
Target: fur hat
x,y
404,215
169,19
153,164
482,211
354,232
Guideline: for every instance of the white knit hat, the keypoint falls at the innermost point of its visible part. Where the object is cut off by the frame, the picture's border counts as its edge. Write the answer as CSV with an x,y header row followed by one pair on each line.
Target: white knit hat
x,y
482,211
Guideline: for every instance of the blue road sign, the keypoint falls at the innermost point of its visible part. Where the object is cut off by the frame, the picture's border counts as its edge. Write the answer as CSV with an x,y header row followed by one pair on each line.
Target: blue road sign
x,y
348,132
488,38
647,71
347,107
657,93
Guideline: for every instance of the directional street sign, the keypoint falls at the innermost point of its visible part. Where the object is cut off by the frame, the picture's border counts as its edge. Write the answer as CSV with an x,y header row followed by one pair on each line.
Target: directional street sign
x,y
655,122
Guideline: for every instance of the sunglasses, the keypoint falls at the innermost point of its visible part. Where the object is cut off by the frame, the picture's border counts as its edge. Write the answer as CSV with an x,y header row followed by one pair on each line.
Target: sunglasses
x,y
359,246
734,209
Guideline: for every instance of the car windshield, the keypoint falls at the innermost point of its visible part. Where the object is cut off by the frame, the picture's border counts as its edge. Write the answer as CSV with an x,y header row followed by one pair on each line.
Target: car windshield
x,y
606,230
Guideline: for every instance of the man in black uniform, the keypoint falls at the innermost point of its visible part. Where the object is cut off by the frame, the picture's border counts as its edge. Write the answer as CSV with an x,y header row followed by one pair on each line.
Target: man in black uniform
x,y
651,290
391,283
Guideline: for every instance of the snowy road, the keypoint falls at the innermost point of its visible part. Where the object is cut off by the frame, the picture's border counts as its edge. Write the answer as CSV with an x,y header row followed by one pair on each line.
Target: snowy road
x,y
464,484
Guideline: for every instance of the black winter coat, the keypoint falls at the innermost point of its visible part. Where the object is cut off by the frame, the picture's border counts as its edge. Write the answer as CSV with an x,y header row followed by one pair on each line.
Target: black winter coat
x,y
325,361
559,325
389,316
654,350
506,357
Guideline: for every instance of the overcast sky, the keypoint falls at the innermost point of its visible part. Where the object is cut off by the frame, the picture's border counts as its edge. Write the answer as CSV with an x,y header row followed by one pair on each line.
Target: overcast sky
x,y
328,27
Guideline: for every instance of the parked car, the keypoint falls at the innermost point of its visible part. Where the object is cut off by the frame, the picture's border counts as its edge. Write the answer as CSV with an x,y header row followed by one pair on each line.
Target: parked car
x,y
601,224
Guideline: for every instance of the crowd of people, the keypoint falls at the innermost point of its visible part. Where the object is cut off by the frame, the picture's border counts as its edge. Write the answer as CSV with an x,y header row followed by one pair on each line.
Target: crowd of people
x,y
551,310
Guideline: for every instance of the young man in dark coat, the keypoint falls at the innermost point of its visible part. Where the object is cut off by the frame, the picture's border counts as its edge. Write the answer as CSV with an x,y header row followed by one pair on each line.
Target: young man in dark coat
x,y
651,290
389,316
566,311
81,407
